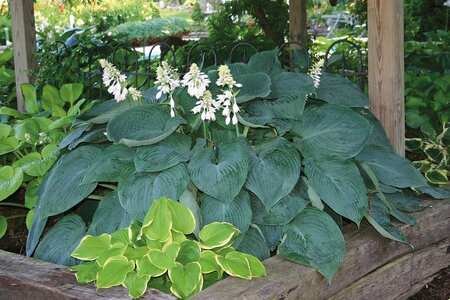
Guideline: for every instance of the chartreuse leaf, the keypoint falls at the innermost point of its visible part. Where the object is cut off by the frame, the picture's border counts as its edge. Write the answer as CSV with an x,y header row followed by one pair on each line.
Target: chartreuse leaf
x,y
91,247
120,237
136,284
208,263
70,92
114,272
34,164
145,268
142,125
135,252
10,180
29,95
186,279
274,170
313,239
5,130
9,144
256,267
189,252
217,234
158,221
3,226
165,258
115,250
235,264
86,272
29,219
183,219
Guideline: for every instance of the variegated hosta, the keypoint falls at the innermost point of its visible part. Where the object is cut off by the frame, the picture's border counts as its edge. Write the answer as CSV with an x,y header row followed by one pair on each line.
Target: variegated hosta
x,y
157,253
286,169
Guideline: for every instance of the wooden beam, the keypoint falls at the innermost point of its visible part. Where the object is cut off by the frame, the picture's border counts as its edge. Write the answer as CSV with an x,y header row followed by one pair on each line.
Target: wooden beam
x,y
298,31
24,43
386,68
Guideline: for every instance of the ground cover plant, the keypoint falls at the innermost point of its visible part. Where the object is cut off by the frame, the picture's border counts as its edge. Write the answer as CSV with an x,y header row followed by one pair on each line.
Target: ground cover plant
x,y
285,157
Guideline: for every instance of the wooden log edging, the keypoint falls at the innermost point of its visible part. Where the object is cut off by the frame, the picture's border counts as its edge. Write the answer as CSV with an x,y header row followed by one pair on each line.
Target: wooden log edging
x,y
374,268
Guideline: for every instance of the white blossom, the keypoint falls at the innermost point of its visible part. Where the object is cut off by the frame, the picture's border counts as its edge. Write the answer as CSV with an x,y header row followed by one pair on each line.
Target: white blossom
x,y
207,106
225,78
114,80
316,71
196,81
167,79
27,137
135,94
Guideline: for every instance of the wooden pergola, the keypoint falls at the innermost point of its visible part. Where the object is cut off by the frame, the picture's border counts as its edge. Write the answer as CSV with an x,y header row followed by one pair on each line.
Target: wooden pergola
x,y
386,65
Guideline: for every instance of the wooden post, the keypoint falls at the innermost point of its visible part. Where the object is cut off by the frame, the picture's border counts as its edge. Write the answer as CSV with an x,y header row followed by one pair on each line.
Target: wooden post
x,y
298,31
24,43
386,68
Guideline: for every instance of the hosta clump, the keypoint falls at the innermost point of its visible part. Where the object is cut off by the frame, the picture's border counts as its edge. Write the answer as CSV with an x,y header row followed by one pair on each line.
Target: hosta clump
x,y
252,144
157,253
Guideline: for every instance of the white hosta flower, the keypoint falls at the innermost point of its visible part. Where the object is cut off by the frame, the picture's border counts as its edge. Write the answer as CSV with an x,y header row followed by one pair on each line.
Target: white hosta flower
x,y
207,106
172,106
114,80
167,79
225,78
196,81
27,137
316,71
228,101
135,94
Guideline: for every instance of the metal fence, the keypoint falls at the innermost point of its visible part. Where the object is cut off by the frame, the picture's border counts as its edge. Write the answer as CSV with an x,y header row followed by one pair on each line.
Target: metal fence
x,y
140,66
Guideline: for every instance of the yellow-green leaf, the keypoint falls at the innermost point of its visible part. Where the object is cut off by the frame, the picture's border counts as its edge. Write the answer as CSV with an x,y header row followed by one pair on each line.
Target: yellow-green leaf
x,y
217,234
91,247
164,258
114,272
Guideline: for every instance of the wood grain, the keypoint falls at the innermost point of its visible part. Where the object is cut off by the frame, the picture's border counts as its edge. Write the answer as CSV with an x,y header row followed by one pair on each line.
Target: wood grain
x,y
24,42
386,67
298,31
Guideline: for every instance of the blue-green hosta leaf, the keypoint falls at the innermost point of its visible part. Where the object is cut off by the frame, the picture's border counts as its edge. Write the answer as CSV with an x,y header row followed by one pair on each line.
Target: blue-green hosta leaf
x,y
138,191
103,112
272,235
91,247
163,155
96,134
336,89
282,212
109,216
221,173
274,170
86,272
290,107
70,92
34,164
217,234
114,272
34,234
61,240
331,130
380,220
435,192
142,125
390,168
239,68
114,162
340,185
313,239
253,86
254,243
378,136
136,284
10,181
63,189
291,84
238,212
266,62
186,280
72,136
406,202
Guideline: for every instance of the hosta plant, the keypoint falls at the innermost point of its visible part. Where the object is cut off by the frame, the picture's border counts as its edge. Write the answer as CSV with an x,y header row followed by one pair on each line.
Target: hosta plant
x,y
157,252
285,157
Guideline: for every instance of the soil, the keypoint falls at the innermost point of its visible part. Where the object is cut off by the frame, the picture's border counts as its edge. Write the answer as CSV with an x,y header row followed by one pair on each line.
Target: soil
x,y
438,289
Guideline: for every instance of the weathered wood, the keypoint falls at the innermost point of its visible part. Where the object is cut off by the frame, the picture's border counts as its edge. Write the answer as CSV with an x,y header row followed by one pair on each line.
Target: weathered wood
x,y
298,30
386,68
396,278
366,252
24,43
22,277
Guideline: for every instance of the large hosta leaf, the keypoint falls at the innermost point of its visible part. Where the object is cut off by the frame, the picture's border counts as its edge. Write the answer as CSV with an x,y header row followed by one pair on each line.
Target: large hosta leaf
x,y
61,240
254,243
238,212
313,239
282,212
390,168
163,155
109,216
291,84
63,189
138,191
253,86
340,185
10,180
336,89
266,62
331,130
115,161
142,125
221,173
274,170
378,136
290,107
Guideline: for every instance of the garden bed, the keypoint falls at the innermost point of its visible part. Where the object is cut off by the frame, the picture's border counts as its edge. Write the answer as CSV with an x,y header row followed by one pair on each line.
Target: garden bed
x,y
375,267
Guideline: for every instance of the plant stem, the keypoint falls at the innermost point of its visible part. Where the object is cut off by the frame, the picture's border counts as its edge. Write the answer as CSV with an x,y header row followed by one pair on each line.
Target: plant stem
x,y
204,131
108,186
95,197
12,204
246,128
237,130
16,217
